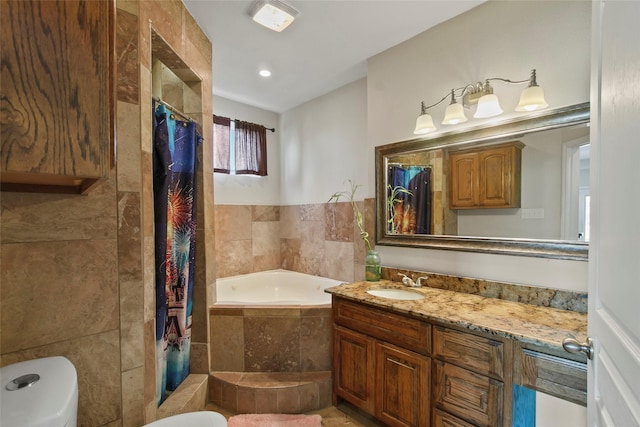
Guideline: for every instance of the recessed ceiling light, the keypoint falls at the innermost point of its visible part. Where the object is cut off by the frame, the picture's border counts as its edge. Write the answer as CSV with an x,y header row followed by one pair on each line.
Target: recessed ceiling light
x,y
273,14
265,73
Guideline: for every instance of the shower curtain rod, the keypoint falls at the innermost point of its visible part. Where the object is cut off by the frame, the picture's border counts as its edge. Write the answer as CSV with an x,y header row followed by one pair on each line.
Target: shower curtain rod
x,y
403,165
173,109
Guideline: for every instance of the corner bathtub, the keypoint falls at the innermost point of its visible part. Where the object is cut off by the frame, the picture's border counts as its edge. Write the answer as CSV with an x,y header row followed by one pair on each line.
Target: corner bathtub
x,y
274,288
271,340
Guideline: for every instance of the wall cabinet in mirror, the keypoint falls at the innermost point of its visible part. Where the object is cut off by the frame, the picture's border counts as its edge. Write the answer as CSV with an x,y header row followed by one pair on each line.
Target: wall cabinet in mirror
x,y
519,187
487,177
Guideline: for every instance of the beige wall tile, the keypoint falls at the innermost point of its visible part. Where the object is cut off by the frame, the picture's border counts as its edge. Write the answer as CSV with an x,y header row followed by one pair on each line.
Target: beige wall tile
x,y
313,212
315,343
166,20
338,261
289,222
339,222
290,253
265,213
150,369
149,282
312,239
227,343
199,358
128,87
146,126
31,217
267,262
272,344
234,257
54,291
129,236
133,397
130,6
265,240
97,362
131,324
232,222
128,149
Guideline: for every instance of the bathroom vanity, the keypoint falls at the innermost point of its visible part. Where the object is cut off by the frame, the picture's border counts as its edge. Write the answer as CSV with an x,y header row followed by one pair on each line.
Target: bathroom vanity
x,y
451,358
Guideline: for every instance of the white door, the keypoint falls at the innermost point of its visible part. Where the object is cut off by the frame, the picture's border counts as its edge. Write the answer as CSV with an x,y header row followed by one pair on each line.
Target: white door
x,y
614,254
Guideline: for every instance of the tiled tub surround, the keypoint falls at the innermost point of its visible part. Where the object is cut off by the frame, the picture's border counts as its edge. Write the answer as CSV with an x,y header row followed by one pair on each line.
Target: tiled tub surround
x,y
318,239
543,327
271,359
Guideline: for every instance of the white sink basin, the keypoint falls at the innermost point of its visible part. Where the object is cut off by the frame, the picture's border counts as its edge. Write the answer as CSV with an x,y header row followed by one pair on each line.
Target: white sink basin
x,y
400,294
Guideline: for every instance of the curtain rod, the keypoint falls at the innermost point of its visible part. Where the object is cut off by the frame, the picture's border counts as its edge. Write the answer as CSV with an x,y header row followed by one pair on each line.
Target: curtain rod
x,y
238,120
403,165
271,129
173,109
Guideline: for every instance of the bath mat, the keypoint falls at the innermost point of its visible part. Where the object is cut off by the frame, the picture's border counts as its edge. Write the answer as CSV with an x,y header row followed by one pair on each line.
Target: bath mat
x,y
274,420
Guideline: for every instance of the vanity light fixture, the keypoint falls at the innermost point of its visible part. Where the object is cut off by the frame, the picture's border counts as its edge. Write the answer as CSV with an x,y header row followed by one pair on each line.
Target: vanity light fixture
x,y
272,14
531,99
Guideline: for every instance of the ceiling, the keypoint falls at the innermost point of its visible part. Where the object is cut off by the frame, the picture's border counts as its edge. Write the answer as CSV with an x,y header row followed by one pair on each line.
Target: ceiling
x,y
326,47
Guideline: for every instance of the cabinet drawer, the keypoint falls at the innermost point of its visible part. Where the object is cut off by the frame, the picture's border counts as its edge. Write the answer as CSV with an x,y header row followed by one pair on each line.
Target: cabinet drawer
x,y
442,419
563,378
479,354
470,396
402,331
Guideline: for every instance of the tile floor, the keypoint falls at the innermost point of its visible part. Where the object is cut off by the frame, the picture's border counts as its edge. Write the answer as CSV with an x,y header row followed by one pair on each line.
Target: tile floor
x,y
331,416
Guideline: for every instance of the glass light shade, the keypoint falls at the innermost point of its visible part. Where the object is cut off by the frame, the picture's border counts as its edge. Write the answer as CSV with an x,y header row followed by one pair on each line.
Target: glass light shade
x,y
531,99
488,106
424,124
273,17
454,114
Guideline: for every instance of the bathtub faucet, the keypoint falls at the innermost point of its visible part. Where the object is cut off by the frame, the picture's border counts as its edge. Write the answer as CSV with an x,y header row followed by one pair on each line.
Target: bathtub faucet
x,y
409,281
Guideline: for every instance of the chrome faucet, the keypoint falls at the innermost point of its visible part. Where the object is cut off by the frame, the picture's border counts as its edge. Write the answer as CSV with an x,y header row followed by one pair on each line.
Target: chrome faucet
x,y
408,281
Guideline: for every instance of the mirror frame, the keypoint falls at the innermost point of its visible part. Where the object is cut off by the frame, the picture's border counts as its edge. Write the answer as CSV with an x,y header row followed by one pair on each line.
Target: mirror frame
x,y
505,130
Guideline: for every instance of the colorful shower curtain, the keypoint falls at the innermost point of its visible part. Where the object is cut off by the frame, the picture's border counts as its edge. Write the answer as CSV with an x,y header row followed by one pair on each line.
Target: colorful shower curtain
x,y
411,211
174,194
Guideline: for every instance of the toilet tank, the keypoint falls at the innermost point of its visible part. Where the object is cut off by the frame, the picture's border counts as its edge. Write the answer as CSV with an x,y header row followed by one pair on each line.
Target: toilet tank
x,y
39,392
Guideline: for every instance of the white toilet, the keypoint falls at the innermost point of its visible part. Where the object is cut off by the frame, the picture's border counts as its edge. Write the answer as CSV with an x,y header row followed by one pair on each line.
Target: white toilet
x,y
191,419
38,393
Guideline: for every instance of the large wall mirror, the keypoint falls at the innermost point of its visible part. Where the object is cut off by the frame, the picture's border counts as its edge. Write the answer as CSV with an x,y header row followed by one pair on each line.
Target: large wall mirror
x,y
519,187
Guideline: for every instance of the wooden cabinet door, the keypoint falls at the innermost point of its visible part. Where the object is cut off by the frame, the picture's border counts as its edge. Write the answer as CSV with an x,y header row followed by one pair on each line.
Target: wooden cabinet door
x,y
464,180
497,175
487,177
354,368
402,390
56,93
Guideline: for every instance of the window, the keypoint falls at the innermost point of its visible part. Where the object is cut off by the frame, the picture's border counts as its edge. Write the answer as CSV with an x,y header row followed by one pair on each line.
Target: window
x,y
239,148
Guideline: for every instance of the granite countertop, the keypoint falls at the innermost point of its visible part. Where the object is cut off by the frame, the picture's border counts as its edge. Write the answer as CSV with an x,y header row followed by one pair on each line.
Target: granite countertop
x,y
542,326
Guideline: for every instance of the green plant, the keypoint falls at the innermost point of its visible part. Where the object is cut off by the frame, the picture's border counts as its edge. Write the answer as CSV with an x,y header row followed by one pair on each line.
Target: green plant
x,y
350,195
393,198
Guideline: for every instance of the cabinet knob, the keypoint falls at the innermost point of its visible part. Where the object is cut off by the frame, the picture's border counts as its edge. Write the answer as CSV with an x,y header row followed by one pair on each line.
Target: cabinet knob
x,y
571,345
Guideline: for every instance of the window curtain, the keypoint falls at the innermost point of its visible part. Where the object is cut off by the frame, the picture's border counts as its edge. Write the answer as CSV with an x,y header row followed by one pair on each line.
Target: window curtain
x,y
251,148
221,144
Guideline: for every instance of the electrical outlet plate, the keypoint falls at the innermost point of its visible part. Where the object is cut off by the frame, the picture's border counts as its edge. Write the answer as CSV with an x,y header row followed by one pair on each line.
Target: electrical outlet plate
x,y
532,213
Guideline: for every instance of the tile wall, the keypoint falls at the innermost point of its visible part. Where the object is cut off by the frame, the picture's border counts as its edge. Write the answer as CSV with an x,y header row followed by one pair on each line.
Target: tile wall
x,y
77,276
319,239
